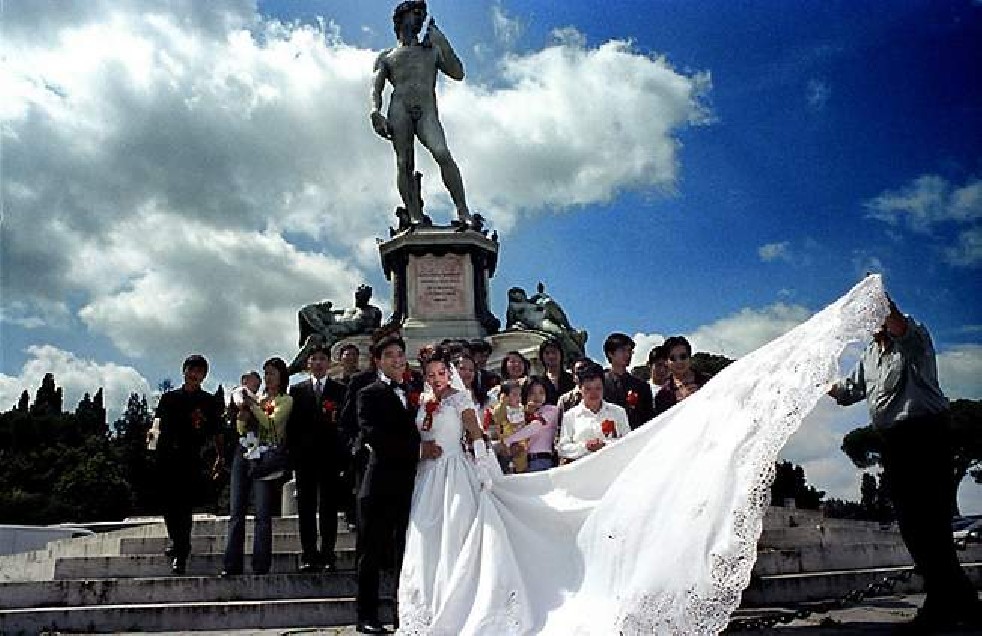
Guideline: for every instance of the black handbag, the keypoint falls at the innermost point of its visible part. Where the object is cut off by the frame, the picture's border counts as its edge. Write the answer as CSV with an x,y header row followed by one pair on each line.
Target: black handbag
x,y
273,460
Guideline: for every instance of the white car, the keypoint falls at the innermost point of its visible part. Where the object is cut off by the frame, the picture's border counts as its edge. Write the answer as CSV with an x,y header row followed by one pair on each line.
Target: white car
x,y
966,531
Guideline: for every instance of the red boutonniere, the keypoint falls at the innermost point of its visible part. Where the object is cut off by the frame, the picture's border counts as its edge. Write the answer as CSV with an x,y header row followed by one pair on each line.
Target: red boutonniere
x,y
632,398
197,418
329,406
269,407
431,407
609,428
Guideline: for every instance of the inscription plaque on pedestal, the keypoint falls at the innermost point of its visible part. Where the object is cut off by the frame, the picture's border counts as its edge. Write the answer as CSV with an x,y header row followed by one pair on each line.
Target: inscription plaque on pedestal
x,y
441,286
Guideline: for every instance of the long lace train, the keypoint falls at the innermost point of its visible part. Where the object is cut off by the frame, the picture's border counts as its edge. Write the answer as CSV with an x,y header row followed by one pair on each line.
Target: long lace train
x,y
656,534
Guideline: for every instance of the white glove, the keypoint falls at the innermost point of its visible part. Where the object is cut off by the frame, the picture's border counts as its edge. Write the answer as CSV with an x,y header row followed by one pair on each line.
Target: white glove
x,y
481,459
153,434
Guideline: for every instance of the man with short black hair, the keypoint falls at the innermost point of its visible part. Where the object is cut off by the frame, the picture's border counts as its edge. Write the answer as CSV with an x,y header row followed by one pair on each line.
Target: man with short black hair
x,y
898,377
658,373
318,456
348,356
484,379
620,386
186,417
386,411
593,423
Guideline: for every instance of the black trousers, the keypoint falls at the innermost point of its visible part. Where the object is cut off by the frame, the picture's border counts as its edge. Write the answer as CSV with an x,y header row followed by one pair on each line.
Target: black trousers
x,y
182,479
382,524
318,491
918,466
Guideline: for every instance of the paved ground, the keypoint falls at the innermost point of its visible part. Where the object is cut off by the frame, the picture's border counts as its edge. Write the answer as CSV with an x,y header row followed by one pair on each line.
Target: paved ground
x,y
874,617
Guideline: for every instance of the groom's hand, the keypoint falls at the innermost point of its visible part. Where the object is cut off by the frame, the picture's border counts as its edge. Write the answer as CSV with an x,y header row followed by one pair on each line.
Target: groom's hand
x,y
429,450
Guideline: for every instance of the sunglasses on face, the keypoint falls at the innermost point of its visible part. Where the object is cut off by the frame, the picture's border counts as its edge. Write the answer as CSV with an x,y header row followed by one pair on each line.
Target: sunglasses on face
x,y
682,357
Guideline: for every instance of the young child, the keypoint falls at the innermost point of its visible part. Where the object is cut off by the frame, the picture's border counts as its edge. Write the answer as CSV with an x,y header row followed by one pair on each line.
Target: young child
x,y
509,416
247,391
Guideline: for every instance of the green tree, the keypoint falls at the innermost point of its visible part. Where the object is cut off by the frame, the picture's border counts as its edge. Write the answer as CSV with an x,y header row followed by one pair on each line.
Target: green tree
x,y
864,445
790,483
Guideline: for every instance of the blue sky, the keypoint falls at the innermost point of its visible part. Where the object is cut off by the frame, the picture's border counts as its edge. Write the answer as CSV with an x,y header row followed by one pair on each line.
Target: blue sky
x,y
183,176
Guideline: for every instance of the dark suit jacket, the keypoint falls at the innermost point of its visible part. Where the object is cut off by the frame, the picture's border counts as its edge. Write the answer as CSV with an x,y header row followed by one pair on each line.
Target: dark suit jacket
x,y
348,422
616,390
311,432
389,429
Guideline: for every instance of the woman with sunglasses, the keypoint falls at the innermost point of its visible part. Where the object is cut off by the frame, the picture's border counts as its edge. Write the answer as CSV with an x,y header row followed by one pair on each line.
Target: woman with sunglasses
x,y
683,380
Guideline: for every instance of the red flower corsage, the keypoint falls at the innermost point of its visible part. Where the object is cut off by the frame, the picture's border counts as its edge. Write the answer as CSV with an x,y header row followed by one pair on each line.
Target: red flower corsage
x,y
488,420
431,407
632,398
609,428
407,376
269,407
413,398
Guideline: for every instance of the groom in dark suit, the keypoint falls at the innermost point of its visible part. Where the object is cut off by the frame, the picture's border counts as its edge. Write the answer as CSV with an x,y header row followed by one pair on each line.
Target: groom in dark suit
x,y
317,456
386,412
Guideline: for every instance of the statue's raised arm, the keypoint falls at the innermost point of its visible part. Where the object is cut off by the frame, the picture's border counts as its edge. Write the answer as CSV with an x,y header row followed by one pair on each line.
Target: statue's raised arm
x,y
448,62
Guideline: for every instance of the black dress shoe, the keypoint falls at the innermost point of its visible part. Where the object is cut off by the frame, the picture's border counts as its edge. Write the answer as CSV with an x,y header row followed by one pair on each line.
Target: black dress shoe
x,y
330,566
169,551
229,573
306,567
371,627
178,565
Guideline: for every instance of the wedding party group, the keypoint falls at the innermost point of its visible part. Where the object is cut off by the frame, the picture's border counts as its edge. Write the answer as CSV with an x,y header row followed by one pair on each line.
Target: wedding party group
x,y
581,500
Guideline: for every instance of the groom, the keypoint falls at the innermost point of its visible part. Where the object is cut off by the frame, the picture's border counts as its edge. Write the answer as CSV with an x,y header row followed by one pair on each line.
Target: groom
x,y
387,421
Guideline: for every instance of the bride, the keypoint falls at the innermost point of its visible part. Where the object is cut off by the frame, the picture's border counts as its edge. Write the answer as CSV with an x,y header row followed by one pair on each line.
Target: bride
x,y
654,535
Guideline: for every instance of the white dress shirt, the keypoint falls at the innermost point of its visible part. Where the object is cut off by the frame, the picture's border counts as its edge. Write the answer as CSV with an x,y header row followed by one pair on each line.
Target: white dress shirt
x,y
580,424
402,394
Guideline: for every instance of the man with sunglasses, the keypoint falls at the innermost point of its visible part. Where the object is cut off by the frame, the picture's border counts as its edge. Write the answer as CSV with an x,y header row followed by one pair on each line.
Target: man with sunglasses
x,y
683,380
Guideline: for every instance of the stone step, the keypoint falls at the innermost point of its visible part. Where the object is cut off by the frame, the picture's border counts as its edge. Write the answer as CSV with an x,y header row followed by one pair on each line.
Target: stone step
x,y
153,565
787,589
824,558
215,544
179,589
785,538
154,617
769,562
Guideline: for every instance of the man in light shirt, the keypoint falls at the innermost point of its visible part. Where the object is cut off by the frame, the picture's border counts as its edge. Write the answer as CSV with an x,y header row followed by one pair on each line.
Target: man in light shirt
x,y
594,423
898,377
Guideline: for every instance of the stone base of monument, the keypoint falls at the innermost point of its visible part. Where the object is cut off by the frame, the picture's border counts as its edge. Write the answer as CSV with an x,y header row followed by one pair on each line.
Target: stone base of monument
x,y
440,278
120,581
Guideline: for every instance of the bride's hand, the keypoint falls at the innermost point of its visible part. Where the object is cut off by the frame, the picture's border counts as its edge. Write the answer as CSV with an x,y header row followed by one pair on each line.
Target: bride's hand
x,y
430,450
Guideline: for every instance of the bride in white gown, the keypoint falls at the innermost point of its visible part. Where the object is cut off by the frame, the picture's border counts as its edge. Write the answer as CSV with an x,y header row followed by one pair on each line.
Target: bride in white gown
x,y
654,535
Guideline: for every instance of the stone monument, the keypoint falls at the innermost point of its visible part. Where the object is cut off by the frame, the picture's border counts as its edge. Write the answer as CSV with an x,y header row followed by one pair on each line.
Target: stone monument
x,y
543,315
322,325
440,278
411,68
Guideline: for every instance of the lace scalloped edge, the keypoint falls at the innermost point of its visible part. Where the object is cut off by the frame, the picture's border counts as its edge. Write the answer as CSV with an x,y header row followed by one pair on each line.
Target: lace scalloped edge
x,y
710,613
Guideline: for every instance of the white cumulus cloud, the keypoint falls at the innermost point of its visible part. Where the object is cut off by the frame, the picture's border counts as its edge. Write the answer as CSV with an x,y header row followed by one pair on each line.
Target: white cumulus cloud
x,y
190,174
775,252
928,200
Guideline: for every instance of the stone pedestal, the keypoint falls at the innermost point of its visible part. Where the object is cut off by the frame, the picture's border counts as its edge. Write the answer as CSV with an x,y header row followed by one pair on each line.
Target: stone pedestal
x,y
440,281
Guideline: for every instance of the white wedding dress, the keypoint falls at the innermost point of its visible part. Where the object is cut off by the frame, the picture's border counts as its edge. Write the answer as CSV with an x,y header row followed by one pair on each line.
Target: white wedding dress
x,y
656,534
